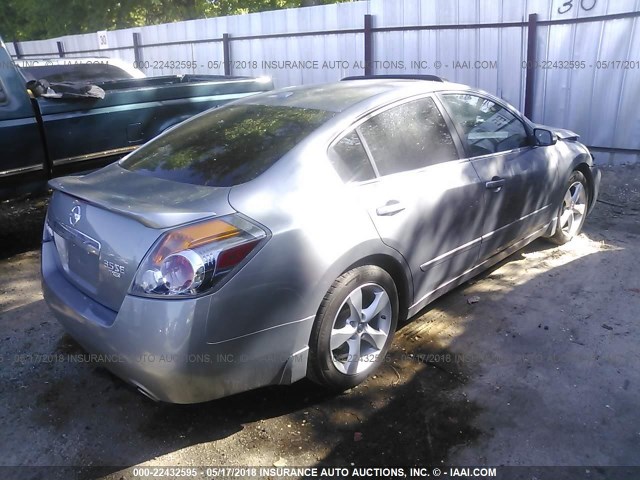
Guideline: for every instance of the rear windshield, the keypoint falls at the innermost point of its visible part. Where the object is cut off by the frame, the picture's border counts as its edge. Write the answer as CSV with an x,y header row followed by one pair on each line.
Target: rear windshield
x,y
227,146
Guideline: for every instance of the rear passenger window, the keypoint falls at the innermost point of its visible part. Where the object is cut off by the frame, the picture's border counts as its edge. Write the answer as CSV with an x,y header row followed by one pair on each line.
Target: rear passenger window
x,y
407,137
350,159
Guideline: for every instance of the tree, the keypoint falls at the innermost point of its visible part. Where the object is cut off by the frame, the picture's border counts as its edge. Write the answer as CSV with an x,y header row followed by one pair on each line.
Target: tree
x,y
33,19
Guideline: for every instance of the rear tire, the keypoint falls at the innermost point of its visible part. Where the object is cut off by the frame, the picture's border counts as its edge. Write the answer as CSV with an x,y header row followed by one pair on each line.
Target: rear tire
x,y
573,209
354,328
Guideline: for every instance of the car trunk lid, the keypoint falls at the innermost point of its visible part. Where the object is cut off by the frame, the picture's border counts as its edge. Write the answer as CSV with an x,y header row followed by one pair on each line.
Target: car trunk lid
x,y
105,222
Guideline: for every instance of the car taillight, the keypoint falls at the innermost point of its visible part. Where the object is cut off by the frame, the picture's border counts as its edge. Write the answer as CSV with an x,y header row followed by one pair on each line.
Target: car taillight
x,y
196,258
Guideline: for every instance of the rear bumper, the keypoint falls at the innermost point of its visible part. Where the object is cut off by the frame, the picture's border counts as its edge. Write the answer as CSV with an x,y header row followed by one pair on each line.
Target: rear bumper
x,y
160,346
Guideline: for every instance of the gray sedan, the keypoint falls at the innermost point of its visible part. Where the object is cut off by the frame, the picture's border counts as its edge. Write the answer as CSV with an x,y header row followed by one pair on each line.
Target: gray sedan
x,y
284,236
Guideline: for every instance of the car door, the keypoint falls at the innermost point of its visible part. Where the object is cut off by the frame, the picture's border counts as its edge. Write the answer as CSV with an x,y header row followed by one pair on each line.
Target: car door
x,y
424,200
517,176
23,158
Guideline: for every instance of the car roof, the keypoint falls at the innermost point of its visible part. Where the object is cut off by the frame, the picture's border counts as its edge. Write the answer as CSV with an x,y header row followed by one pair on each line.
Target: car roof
x,y
341,96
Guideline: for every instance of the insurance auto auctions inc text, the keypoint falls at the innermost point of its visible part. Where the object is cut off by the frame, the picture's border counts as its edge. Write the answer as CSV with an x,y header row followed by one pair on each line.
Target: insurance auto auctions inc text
x,y
348,472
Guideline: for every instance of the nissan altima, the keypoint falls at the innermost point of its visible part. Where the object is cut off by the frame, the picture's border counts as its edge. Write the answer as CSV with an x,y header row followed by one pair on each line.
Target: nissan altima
x,y
284,235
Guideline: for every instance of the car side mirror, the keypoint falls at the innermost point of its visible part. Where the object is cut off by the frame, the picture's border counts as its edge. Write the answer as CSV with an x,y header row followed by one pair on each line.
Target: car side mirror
x,y
544,137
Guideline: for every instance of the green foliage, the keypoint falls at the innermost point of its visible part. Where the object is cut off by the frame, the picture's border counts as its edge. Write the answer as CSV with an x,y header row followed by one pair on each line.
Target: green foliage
x,y
34,19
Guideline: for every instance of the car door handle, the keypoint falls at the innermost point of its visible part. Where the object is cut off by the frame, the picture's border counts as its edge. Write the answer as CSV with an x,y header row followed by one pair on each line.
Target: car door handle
x,y
390,208
496,184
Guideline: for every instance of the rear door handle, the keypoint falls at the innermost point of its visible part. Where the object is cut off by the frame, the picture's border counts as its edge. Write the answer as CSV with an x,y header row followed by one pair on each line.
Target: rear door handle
x,y
496,184
390,208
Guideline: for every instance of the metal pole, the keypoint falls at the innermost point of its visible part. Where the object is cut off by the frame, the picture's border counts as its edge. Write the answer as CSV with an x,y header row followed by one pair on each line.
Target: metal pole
x,y
368,45
226,53
16,46
137,48
530,85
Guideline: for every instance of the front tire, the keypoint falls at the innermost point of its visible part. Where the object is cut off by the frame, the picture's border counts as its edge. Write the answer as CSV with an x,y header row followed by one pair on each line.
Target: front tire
x,y
573,209
354,328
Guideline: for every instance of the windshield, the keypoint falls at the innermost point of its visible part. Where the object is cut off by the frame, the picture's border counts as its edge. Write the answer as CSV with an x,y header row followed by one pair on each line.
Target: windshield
x,y
227,146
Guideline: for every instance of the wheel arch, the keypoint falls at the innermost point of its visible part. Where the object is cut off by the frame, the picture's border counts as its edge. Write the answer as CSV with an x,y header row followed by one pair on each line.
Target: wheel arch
x,y
318,366
582,163
584,168
399,274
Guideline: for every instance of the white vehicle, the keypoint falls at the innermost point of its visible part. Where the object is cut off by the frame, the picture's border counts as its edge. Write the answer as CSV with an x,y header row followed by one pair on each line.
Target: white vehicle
x,y
85,69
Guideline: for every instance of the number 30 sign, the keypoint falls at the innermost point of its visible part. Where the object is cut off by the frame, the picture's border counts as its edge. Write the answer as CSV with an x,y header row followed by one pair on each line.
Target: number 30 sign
x,y
103,40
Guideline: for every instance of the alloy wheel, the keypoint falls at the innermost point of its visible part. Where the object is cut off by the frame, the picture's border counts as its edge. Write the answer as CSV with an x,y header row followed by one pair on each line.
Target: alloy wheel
x,y
574,208
360,329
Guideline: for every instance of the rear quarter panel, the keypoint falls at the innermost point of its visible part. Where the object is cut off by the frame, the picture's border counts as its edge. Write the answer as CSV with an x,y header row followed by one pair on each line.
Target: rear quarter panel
x,y
319,230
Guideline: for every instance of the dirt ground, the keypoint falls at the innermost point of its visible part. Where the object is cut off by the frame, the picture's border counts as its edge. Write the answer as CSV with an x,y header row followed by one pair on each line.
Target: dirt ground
x,y
543,369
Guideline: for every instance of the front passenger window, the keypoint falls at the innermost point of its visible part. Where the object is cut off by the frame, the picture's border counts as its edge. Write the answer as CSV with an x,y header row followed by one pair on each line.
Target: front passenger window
x,y
488,127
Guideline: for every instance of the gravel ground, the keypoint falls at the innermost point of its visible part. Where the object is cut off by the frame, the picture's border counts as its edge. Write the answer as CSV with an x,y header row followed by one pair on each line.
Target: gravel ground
x,y
533,363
